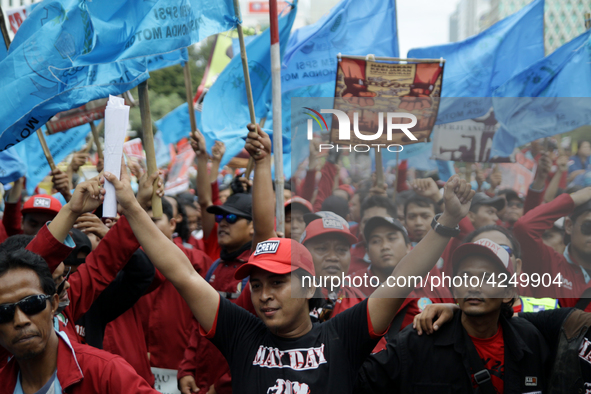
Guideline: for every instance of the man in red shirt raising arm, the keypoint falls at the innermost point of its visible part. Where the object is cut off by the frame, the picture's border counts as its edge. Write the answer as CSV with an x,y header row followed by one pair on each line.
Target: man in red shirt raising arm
x,y
283,349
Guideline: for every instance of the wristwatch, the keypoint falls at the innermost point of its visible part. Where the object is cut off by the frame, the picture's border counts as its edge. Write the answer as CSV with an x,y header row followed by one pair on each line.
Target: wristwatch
x,y
443,230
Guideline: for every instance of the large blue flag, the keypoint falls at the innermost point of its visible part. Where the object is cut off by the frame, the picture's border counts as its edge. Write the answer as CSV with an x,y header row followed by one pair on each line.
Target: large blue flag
x,y
60,145
3,49
37,79
117,30
176,124
552,96
11,166
352,27
478,65
167,59
225,107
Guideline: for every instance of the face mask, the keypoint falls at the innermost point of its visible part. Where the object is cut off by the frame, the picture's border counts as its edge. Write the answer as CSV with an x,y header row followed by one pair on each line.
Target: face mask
x,y
62,305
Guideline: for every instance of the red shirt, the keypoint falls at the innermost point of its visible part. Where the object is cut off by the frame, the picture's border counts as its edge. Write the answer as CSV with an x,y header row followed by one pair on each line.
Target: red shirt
x,y
357,258
169,318
492,352
82,369
543,260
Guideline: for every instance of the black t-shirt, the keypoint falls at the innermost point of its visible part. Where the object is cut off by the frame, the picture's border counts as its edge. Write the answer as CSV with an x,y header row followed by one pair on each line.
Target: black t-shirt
x,y
324,360
549,324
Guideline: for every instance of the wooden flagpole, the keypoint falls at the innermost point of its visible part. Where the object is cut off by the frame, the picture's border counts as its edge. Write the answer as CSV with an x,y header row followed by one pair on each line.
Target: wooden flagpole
x,y
149,144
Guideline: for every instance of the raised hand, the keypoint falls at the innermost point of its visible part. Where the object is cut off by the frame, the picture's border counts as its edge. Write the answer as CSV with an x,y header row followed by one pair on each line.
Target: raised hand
x,y
61,183
78,160
198,143
258,143
218,150
457,198
426,187
87,196
562,163
89,223
146,189
495,178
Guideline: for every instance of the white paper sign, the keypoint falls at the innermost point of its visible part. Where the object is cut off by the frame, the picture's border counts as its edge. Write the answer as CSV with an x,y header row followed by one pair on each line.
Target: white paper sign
x,y
116,120
165,380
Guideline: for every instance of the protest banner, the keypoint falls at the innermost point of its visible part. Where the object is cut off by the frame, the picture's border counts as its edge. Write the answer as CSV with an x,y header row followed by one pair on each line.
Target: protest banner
x,y
515,176
377,93
134,150
468,140
178,176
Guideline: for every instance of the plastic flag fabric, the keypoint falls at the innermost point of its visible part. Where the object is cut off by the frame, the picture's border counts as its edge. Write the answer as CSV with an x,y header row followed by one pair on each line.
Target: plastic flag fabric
x,y
478,65
552,96
37,79
225,107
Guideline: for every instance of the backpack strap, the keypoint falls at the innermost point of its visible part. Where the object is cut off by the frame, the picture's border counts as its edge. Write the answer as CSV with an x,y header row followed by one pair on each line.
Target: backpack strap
x,y
225,294
482,376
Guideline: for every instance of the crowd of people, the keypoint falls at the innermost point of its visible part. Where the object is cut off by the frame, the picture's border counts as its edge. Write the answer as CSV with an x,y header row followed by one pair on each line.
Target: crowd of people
x,y
351,297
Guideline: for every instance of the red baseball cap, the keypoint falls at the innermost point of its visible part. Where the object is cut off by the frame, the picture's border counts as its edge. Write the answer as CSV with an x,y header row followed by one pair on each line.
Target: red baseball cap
x,y
485,247
279,256
329,224
42,203
300,201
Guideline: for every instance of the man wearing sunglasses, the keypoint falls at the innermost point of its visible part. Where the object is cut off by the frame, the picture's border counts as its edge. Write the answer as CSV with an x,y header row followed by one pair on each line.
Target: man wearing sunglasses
x,y
571,270
45,360
513,208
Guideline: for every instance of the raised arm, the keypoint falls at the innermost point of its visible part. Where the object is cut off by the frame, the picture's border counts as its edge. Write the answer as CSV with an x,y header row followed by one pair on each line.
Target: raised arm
x,y
385,301
203,183
166,256
217,153
258,145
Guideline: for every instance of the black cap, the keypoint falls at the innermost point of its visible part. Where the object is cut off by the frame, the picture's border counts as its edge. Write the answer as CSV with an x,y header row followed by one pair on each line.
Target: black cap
x,y
240,204
510,194
83,244
497,202
377,221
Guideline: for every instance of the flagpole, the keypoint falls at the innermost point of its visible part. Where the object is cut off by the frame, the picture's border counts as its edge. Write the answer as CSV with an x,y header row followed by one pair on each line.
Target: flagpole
x,y
4,30
250,164
40,135
95,137
277,126
149,145
244,59
189,94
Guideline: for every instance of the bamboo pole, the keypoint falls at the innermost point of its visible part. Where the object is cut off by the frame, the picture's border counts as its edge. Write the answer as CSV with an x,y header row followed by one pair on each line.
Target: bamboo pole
x,y
149,145
189,94
95,137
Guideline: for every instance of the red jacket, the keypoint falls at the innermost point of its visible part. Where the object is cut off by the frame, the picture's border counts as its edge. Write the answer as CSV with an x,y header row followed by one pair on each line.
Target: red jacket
x,y
168,317
539,258
83,369
357,258
12,219
99,270
201,358
125,337
54,252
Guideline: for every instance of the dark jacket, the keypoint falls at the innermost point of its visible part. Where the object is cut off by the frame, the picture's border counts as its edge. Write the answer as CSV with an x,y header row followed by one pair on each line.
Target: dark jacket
x,y
565,329
438,363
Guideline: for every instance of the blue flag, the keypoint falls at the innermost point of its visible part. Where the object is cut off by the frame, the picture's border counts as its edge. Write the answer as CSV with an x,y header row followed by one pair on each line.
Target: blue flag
x,y
478,65
3,49
128,29
358,27
552,96
37,79
176,124
11,166
352,27
225,107
60,145
168,59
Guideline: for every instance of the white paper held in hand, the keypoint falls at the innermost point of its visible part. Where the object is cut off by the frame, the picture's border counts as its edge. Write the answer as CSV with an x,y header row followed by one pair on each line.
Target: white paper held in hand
x,y
116,120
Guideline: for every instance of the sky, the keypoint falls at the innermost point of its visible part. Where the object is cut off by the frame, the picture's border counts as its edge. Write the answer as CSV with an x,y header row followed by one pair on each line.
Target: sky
x,y
423,23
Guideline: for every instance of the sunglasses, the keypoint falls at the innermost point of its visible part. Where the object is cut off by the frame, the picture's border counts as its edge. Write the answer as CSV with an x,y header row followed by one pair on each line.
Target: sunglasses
x,y
508,249
60,287
30,305
230,218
